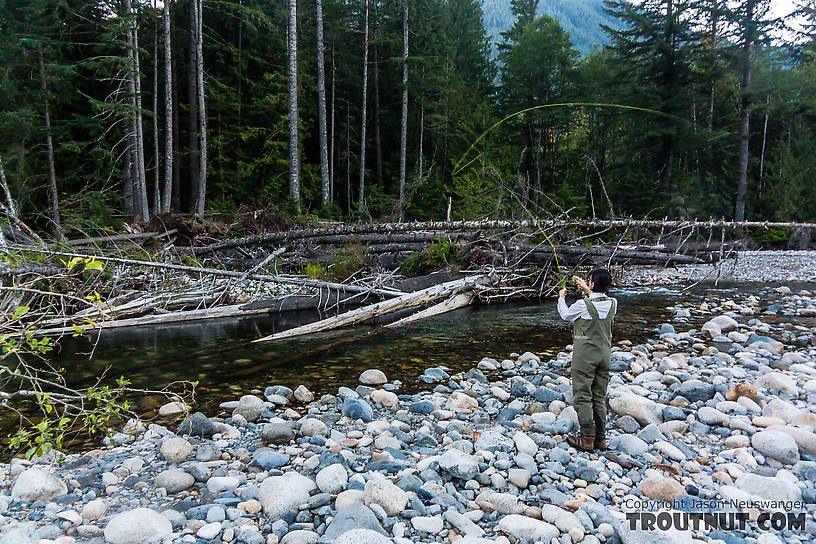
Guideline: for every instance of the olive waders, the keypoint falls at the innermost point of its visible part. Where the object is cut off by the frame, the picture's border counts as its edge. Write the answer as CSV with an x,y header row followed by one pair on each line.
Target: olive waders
x,y
591,355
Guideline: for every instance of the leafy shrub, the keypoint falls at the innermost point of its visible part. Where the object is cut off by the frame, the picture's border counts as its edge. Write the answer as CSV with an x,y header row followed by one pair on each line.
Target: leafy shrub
x,y
438,255
771,237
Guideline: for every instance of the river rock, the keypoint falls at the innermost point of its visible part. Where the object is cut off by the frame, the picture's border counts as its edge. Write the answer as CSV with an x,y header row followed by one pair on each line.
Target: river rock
x,y
354,516
173,409
524,528
249,407
302,394
362,536
357,409
695,391
197,425
277,431
776,381
174,480
502,503
642,409
725,323
806,440
219,484
313,427
332,479
637,536
461,403
427,524
379,490
658,487
37,485
774,489
712,416
525,444
301,536
776,445
176,450
94,510
459,464
373,376
139,526
384,398
278,494
565,521
629,443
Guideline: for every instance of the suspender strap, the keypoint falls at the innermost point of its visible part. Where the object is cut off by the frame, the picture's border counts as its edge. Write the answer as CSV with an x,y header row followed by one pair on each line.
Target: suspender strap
x,y
593,311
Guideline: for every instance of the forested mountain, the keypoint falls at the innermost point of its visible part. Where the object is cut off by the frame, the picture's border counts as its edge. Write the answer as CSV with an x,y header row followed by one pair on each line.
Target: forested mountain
x,y
582,19
115,110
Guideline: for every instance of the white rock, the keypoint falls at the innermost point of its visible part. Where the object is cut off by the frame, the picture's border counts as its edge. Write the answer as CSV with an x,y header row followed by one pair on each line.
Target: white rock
x,y
313,427
712,416
209,531
725,323
776,381
250,407
461,403
172,409
525,444
349,497
670,450
137,527
564,520
764,487
502,503
805,440
35,484
379,490
427,524
459,464
332,479
519,477
642,409
385,398
524,528
301,536
362,536
176,449
94,510
278,494
776,445
302,394
217,484
174,480
373,376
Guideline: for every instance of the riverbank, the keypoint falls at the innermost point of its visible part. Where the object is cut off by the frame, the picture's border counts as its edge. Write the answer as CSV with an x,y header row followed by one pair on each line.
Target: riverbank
x,y
742,266
718,405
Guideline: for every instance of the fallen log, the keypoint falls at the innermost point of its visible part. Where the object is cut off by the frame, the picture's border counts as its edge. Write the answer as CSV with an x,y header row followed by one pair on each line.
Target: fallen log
x,y
121,238
454,303
232,274
382,308
501,225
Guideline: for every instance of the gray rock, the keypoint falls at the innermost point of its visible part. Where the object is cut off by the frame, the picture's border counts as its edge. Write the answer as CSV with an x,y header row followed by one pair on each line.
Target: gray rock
x,y
277,431
776,445
174,480
197,425
362,536
250,407
354,516
459,464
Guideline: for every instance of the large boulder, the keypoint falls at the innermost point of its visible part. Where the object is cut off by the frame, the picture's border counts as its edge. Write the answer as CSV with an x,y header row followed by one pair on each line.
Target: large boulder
x,y
37,485
279,494
645,411
139,526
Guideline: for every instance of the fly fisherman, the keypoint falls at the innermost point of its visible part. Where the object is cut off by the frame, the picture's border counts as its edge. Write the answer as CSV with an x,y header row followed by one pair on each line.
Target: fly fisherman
x,y
592,316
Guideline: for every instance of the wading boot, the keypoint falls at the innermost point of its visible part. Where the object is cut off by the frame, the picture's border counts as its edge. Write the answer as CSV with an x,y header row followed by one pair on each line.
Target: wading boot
x,y
582,442
600,442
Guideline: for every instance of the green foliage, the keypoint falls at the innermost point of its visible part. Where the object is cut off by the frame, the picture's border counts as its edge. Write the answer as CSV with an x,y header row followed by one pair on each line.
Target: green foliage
x,y
439,254
315,271
771,237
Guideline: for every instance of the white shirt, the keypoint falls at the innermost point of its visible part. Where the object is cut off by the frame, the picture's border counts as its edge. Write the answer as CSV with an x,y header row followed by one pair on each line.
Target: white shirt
x,y
579,308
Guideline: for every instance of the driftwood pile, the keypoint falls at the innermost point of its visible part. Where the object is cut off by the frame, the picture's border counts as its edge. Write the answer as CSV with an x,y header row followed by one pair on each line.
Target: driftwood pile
x,y
495,260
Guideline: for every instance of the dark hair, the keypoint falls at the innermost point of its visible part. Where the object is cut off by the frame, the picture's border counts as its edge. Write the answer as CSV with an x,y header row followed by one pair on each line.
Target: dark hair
x,y
601,280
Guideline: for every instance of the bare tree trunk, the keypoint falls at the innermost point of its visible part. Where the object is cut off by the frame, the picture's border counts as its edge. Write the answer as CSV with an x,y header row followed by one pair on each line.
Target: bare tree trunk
x,y
49,144
294,164
421,137
404,118
745,114
137,78
176,189
764,140
321,107
156,186
364,111
167,193
715,15
202,111
377,134
137,143
331,153
192,100
348,156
